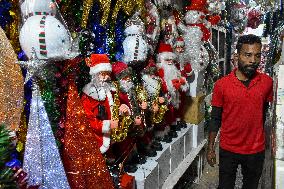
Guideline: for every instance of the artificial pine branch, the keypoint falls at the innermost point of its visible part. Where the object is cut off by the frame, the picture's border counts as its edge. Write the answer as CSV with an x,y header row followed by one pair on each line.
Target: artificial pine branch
x,y
6,147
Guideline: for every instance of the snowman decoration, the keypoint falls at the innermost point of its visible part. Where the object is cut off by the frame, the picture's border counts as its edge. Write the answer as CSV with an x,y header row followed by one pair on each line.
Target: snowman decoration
x,y
135,45
43,32
195,33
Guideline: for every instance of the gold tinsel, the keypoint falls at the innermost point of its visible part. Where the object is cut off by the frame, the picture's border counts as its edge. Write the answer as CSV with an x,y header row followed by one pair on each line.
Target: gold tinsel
x,y
13,28
105,7
129,7
11,85
87,5
125,5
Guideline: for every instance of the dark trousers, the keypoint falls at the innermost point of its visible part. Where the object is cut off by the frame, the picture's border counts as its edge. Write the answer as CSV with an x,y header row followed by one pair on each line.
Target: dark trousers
x,y
251,164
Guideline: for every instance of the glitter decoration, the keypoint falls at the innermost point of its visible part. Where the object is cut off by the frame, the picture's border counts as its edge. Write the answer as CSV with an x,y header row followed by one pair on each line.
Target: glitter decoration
x,y
83,161
105,7
41,159
87,5
33,66
12,87
127,7
13,28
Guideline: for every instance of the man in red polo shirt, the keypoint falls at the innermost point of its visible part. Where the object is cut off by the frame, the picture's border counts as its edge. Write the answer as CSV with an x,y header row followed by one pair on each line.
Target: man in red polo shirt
x,y
238,107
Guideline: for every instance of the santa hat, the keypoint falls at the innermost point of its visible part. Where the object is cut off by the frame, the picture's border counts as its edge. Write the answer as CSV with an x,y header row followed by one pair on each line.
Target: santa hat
x,y
179,42
121,70
151,68
98,63
198,5
165,51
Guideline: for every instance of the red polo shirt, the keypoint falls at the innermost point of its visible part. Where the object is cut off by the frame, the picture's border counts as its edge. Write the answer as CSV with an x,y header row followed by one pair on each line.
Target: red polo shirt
x,y
242,117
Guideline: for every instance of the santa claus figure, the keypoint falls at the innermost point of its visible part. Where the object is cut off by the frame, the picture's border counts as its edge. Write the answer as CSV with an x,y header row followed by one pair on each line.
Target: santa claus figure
x,y
157,104
173,84
183,61
195,33
128,95
98,100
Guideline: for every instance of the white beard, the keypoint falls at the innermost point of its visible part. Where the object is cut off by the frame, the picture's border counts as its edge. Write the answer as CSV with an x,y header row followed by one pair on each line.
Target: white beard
x,y
126,86
98,89
151,85
171,72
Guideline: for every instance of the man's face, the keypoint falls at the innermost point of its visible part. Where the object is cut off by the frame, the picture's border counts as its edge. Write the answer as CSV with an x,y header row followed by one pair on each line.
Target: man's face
x,y
249,59
168,61
179,49
104,76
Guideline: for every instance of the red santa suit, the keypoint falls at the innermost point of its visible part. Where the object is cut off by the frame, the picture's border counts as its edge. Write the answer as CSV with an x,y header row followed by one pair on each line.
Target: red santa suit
x,y
94,97
101,127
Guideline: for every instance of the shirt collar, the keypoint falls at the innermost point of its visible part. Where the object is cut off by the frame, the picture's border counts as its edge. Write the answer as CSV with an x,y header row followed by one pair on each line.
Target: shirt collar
x,y
238,82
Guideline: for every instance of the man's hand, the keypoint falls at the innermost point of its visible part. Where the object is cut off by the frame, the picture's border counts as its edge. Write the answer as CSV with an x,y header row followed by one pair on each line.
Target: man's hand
x,y
113,124
211,157
161,100
143,105
124,109
155,108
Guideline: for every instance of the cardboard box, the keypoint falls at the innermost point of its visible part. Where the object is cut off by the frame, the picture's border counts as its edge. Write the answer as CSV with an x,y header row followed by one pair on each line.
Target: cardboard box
x,y
197,134
196,83
188,140
177,151
163,159
194,109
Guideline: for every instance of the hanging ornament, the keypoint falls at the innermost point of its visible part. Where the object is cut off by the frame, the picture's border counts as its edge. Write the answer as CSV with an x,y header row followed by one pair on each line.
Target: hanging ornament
x,y
41,159
12,87
83,161
87,5
33,66
254,17
238,17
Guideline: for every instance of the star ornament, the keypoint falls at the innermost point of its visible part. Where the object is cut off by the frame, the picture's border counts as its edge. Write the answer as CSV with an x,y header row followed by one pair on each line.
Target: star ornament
x,y
33,66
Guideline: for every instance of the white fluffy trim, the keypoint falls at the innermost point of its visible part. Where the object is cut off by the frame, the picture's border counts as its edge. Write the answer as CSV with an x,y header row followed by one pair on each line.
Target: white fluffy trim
x,y
106,143
167,55
100,67
106,126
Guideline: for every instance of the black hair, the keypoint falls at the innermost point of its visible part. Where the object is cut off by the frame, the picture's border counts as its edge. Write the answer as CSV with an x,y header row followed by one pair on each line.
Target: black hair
x,y
247,39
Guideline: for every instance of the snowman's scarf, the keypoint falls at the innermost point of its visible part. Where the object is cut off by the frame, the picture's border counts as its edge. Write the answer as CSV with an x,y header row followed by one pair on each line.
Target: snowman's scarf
x,y
42,43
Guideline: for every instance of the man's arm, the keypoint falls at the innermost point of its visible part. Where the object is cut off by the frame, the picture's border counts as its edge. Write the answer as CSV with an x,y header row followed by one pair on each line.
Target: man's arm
x,y
214,125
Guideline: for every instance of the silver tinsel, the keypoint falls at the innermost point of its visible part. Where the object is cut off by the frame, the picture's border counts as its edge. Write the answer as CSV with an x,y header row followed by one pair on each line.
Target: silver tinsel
x,y
41,159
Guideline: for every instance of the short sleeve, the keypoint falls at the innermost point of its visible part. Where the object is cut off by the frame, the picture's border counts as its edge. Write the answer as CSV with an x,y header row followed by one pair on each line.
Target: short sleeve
x,y
217,96
270,92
